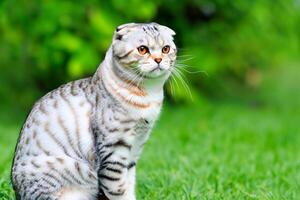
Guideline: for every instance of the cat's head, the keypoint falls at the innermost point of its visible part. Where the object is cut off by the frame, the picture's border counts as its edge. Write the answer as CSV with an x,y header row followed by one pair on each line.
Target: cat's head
x,y
145,50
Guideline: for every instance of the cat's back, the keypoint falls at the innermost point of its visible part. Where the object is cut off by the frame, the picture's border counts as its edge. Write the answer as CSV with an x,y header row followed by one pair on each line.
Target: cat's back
x,y
59,123
56,142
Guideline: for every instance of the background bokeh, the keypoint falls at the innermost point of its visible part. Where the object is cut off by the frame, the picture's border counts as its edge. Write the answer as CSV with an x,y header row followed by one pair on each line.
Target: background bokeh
x,y
239,58
46,43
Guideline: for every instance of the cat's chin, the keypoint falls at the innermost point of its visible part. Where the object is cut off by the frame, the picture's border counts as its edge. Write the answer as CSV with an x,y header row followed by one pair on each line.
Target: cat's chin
x,y
156,75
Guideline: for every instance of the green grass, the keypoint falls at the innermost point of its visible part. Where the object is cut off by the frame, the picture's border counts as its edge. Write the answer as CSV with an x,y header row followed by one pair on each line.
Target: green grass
x,y
8,138
215,150
229,152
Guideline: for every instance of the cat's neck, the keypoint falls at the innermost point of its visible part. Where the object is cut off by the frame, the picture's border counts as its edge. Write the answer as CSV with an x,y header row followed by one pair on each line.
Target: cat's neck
x,y
145,95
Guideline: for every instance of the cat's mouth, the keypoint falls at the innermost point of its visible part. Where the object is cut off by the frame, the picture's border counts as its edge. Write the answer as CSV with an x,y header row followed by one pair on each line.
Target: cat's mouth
x,y
156,72
156,69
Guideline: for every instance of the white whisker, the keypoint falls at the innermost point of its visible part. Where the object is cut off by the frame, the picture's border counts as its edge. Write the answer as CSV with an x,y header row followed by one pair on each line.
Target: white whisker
x,y
181,77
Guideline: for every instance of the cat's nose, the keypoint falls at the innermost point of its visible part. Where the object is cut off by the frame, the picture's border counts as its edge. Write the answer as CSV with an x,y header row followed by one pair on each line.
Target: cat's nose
x,y
157,60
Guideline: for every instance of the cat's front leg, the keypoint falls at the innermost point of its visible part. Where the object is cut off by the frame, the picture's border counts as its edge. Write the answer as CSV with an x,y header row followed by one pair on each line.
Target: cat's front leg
x,y
117,174
131,182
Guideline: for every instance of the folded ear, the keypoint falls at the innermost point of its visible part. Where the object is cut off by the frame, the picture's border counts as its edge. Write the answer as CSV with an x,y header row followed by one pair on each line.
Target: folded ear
x,y
167,30
124,29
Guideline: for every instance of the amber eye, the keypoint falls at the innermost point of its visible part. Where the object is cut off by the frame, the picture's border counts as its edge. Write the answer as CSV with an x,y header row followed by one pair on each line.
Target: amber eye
x,y
143,50
166,49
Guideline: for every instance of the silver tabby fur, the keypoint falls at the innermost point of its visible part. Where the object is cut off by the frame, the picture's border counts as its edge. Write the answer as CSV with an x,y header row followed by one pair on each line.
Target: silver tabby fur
x,y
82,141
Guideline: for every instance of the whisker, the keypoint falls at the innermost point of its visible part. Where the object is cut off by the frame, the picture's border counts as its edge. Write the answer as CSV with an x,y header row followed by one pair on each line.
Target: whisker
x,y
174,78
170,82
185,55
192,72
186,59
181,77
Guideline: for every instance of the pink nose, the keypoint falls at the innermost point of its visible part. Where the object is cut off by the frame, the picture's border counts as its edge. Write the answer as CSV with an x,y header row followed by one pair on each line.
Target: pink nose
x,y
157,60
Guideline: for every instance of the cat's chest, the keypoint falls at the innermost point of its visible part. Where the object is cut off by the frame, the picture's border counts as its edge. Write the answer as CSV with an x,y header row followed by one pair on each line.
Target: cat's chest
x,y
130,122
149,114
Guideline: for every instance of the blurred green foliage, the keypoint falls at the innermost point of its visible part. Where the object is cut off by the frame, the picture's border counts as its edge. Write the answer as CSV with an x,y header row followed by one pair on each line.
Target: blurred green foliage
x,y
46,43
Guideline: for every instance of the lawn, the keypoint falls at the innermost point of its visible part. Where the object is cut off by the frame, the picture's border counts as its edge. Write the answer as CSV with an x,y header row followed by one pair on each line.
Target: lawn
x,y
229,149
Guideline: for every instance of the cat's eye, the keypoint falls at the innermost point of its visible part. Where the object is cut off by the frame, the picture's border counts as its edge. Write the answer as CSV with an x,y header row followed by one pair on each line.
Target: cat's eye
x,y
143,50
165,49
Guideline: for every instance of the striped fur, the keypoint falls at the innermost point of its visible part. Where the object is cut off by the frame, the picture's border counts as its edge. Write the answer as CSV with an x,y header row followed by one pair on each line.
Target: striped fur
x,y
83,140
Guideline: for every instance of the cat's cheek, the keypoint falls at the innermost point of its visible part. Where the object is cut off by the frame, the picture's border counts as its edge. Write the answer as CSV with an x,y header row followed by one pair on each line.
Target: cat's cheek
x,y
144,69
137,56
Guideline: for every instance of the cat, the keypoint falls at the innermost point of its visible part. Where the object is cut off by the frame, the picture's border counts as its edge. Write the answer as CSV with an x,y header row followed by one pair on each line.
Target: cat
x,y
82,140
